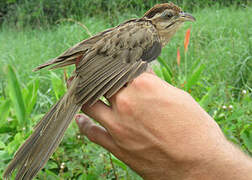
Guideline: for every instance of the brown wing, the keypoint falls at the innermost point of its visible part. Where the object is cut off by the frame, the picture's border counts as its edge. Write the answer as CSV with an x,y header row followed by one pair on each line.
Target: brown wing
x,y
70,56
117,58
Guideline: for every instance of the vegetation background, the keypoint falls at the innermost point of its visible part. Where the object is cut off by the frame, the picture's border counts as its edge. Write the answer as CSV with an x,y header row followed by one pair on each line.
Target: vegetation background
x,y
216,69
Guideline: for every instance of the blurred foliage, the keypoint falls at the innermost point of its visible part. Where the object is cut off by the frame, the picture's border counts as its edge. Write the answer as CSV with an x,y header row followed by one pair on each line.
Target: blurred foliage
x,y
75,158
216,71
44,12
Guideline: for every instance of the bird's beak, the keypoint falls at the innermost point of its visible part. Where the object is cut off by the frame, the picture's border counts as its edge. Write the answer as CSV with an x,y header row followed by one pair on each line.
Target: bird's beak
x,y
186,17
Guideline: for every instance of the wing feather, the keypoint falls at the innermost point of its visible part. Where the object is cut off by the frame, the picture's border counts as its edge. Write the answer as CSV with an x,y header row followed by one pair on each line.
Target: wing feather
x,y
88,89
69,56
119,80
140,68
115,60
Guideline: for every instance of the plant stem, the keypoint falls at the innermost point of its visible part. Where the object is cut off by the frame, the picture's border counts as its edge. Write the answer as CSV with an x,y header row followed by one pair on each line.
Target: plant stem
x,y
185,53
113,167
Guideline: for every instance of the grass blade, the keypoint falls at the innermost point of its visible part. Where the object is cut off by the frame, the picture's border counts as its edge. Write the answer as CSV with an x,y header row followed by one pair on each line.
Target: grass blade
x,y
30,96
193,79
166,75
246,136
206,99
163,63
119,163
58,85
4,111
194,66
158,71
16,96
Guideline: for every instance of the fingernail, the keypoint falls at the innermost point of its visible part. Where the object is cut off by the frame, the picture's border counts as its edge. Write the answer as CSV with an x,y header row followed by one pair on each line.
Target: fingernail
x,y
79,119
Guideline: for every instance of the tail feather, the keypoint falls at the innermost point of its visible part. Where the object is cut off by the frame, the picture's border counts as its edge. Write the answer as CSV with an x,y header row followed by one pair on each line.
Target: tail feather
x,y
59,62
36,151
99,81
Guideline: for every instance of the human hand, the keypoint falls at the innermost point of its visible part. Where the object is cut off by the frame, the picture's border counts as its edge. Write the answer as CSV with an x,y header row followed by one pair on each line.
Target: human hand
x,y
161,132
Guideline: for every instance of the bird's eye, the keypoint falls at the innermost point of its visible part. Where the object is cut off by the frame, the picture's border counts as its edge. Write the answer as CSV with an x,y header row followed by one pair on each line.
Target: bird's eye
x,y
167,14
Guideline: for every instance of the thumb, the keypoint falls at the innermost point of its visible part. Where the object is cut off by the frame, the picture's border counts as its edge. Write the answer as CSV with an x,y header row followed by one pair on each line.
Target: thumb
x,y
95,133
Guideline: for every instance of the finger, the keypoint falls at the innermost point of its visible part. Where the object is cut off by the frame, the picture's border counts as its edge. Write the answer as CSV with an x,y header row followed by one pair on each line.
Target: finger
x,y
95,133
101,112
112,99
122,91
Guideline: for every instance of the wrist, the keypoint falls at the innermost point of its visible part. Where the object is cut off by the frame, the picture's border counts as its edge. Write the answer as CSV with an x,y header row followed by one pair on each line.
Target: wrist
x,y
228,163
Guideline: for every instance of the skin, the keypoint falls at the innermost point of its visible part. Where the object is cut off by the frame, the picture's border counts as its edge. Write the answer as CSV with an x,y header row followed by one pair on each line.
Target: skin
x,y
162,133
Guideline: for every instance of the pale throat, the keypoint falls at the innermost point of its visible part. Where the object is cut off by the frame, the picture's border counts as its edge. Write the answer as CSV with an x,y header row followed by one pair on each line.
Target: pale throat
x,y
166,35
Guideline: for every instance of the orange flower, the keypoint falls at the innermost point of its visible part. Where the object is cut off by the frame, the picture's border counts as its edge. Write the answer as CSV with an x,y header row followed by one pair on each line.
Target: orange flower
x,y
187,39
178,57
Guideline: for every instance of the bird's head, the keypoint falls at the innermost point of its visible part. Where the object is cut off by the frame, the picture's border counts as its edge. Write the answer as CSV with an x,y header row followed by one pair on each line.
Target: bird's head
x,y
167,18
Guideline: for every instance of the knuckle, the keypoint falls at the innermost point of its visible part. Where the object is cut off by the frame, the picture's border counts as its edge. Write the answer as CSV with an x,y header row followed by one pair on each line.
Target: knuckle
x,y
141,81
124,104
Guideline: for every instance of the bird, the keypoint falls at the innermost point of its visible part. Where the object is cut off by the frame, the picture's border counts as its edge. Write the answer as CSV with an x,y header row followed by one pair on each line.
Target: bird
x,y
104,64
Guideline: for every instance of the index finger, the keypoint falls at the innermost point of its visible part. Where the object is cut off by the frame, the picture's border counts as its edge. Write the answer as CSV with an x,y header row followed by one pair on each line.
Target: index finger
x,y
100,112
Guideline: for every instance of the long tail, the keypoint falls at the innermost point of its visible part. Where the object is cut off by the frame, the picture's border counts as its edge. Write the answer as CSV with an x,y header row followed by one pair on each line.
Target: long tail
x,y
92,82
38,148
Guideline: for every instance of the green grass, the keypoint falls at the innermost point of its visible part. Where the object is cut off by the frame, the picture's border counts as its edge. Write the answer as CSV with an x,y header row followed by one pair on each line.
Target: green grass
x,y
221,42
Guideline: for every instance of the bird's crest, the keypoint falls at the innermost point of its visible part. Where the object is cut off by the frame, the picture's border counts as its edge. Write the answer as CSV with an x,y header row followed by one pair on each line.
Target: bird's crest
x,y
160,8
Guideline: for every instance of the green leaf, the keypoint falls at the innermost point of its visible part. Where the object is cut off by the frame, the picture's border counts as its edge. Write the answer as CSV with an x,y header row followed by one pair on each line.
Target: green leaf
x,y
158,71
82,177
88,177
30,95
51,165
118,162
206,99
163,63
194,66
11,1
14,144
4,111
51,175
246,136
58,85
5,128
4,156
16,96
2,145
4,137
166,75
193,79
